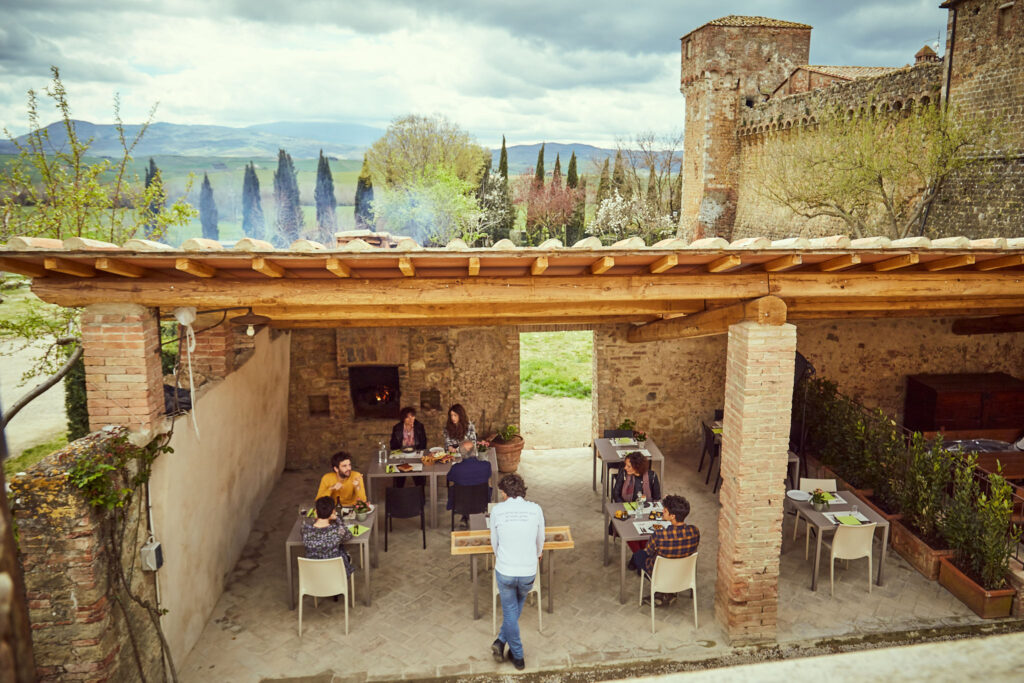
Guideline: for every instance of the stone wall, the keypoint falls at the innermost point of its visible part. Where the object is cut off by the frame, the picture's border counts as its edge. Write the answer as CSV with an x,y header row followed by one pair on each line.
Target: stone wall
x,y
477,367
78,631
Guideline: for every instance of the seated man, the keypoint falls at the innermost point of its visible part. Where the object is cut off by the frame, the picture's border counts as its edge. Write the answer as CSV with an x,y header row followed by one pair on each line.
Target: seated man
x,y
472,470
678,540
343,485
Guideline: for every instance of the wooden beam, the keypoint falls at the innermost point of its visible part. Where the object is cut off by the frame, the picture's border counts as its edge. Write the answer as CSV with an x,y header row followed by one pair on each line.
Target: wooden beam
x,y
997,325
220,293
474,266
267,267
337,267
896,263
1003,262
405,265
951,262
909,284
768,310
324,323
119,267
783,263
539,265
725,263
602,265
839,263
664,263
194,268
68,267
26,268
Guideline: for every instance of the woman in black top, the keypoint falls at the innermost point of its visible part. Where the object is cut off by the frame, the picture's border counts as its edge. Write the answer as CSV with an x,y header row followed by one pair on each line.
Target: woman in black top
x,y
634,478
409,432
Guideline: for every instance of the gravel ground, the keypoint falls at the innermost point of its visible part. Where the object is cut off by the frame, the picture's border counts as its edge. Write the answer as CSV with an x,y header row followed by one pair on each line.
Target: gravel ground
x,y
556,422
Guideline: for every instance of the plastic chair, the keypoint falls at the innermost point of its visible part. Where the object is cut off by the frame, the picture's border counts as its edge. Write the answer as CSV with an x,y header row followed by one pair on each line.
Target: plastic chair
x,y
494,603
672,575
469,500
851,542
810,485
712,449
404,503
323,579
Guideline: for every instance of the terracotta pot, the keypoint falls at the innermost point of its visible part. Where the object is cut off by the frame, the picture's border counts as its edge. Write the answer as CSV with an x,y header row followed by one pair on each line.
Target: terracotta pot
x,y
919,554
986,604
508,454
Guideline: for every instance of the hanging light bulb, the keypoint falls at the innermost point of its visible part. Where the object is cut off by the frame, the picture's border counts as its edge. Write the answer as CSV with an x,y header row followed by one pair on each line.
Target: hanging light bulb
x,y
250,320
251,330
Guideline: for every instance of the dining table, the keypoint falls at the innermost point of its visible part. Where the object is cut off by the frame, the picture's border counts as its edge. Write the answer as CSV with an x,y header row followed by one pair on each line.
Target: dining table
x,y
613,451
825,522
378,473
293,548
626,530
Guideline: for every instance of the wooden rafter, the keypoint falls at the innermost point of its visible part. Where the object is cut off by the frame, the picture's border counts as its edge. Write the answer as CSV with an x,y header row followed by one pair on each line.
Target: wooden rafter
x,y
602,265
782,263
768,310
948,263
896,263
447,322
405,265
839,263
26,268
119,267
194,268
1002,262
474,266
68,267
539,265
664,263
337,267
267,267
727,262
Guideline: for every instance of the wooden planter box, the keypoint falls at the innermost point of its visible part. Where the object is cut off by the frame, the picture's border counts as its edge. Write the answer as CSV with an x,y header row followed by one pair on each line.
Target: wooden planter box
x,y
889,516
986,604
919,554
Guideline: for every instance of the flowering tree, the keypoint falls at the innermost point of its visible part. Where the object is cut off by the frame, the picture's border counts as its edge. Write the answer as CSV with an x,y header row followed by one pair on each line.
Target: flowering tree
x,y
620,217
548,209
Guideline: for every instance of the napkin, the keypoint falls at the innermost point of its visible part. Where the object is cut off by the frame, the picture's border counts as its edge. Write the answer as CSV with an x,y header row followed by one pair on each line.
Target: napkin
x,y
629,506
829,497
847,519
358,529
390,469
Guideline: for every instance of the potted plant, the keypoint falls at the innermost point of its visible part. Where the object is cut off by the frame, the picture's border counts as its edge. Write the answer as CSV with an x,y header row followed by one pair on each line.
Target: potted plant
x,y
978,527
508,446
920,490
482,446
820,500
362,509
630,426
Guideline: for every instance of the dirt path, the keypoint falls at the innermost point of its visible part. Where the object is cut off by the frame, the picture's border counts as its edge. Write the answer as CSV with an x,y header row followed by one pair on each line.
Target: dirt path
x,y
42,419
556,422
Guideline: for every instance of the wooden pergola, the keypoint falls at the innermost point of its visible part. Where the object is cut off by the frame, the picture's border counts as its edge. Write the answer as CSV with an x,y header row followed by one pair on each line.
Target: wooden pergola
x,y
670,290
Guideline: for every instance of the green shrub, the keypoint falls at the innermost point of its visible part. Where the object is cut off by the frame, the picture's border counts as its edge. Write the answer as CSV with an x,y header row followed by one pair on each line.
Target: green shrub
x,y
75,403
921,491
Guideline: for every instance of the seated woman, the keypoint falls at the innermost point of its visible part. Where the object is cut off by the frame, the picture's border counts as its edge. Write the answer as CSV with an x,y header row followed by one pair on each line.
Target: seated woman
x,y
324,537
635,477
408,433
458,428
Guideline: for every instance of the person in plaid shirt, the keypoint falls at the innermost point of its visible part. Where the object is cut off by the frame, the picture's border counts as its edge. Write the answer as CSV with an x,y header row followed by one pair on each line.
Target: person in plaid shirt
x,y
678,540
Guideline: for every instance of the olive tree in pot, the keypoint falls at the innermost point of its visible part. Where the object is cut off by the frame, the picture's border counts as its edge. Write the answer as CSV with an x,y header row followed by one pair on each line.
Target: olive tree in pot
x,y
977,525
508,446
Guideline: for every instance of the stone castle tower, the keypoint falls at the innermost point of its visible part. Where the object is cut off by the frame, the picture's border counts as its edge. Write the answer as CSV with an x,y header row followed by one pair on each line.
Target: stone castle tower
x,y
727,64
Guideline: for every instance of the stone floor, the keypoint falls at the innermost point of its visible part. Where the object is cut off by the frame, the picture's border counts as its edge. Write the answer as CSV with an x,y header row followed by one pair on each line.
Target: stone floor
x,y
421,623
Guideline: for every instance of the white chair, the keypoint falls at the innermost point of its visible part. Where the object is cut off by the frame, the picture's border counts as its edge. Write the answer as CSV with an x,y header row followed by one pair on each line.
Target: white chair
x,y
809,485
672,575
494,603
851,542
323,579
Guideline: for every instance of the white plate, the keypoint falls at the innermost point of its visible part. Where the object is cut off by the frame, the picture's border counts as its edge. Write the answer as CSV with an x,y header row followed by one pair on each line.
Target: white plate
x,y
437,449
798,495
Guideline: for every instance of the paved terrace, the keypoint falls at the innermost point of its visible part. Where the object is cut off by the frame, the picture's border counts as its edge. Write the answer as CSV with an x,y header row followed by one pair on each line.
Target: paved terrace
x,y
421,625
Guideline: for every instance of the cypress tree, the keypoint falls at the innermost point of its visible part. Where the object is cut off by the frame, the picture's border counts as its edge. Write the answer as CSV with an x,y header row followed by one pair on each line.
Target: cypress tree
x,y
364,199
503,160
574,230
253,223
619,177
286,195
156,205
510,209
326,204
652,190
208,210
572,180
538,174
485,179
604,185
556,175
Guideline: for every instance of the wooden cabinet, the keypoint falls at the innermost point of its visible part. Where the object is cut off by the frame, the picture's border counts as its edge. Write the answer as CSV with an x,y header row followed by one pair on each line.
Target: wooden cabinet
x,y
962,402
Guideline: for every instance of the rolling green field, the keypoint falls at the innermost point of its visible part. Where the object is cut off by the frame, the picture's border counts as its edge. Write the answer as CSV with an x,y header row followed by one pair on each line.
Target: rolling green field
x,y
556,364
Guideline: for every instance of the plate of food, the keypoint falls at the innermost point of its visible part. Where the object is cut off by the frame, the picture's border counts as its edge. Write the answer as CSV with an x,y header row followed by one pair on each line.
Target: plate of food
x,y
408,449
437,449
799,496
405,467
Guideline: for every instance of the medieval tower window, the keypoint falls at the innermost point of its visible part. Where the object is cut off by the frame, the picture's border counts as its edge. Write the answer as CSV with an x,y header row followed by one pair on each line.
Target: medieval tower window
x,y
1003,19
689,49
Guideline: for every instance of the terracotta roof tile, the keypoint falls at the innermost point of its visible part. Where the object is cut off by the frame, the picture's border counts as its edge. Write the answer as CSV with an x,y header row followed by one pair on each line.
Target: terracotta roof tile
x,y
850,72
739,20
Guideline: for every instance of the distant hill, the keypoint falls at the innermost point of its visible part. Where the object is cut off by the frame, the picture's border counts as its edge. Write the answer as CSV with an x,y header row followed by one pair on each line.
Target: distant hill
x,y
303,140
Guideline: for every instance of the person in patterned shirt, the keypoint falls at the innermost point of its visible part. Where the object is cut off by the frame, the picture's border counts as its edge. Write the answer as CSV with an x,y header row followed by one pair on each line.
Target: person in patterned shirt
x,y
678,540
324,537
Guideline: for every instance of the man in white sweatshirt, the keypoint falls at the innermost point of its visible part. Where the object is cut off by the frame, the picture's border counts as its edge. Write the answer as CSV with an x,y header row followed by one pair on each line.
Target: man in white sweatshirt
x,y
517,536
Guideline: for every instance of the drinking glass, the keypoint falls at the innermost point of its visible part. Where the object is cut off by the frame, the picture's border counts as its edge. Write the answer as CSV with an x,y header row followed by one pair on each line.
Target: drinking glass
x,y
853,510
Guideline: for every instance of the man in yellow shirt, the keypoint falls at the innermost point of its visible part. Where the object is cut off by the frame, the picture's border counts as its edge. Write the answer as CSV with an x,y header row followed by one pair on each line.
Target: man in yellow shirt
x,y
343,485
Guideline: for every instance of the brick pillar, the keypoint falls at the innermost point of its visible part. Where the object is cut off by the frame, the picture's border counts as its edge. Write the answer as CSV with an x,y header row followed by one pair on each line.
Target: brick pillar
x,y
758,400
215,349
123,381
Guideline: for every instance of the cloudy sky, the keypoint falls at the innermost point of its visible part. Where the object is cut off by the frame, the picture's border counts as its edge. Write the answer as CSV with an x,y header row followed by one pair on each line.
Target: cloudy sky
x,y
563,70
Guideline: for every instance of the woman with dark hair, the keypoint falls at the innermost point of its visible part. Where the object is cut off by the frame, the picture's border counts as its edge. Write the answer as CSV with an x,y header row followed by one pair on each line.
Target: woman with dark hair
x,y
324,537
636,477
409,432
458,428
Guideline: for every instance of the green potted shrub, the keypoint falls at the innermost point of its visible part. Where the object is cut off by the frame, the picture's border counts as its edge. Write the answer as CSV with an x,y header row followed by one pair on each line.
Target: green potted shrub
x,y
508,446
978,528
921,493
362,509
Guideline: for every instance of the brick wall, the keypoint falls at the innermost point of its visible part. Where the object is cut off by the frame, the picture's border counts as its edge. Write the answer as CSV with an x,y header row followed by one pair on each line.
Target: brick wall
x,y
78,631
477,367
759,384
121,353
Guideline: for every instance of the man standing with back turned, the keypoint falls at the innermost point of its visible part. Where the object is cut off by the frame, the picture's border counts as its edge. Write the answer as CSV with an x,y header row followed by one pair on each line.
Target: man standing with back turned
x,y
517,536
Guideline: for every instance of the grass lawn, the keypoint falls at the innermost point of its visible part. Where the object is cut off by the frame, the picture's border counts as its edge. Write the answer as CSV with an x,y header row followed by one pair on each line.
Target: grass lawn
x,y
557,364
